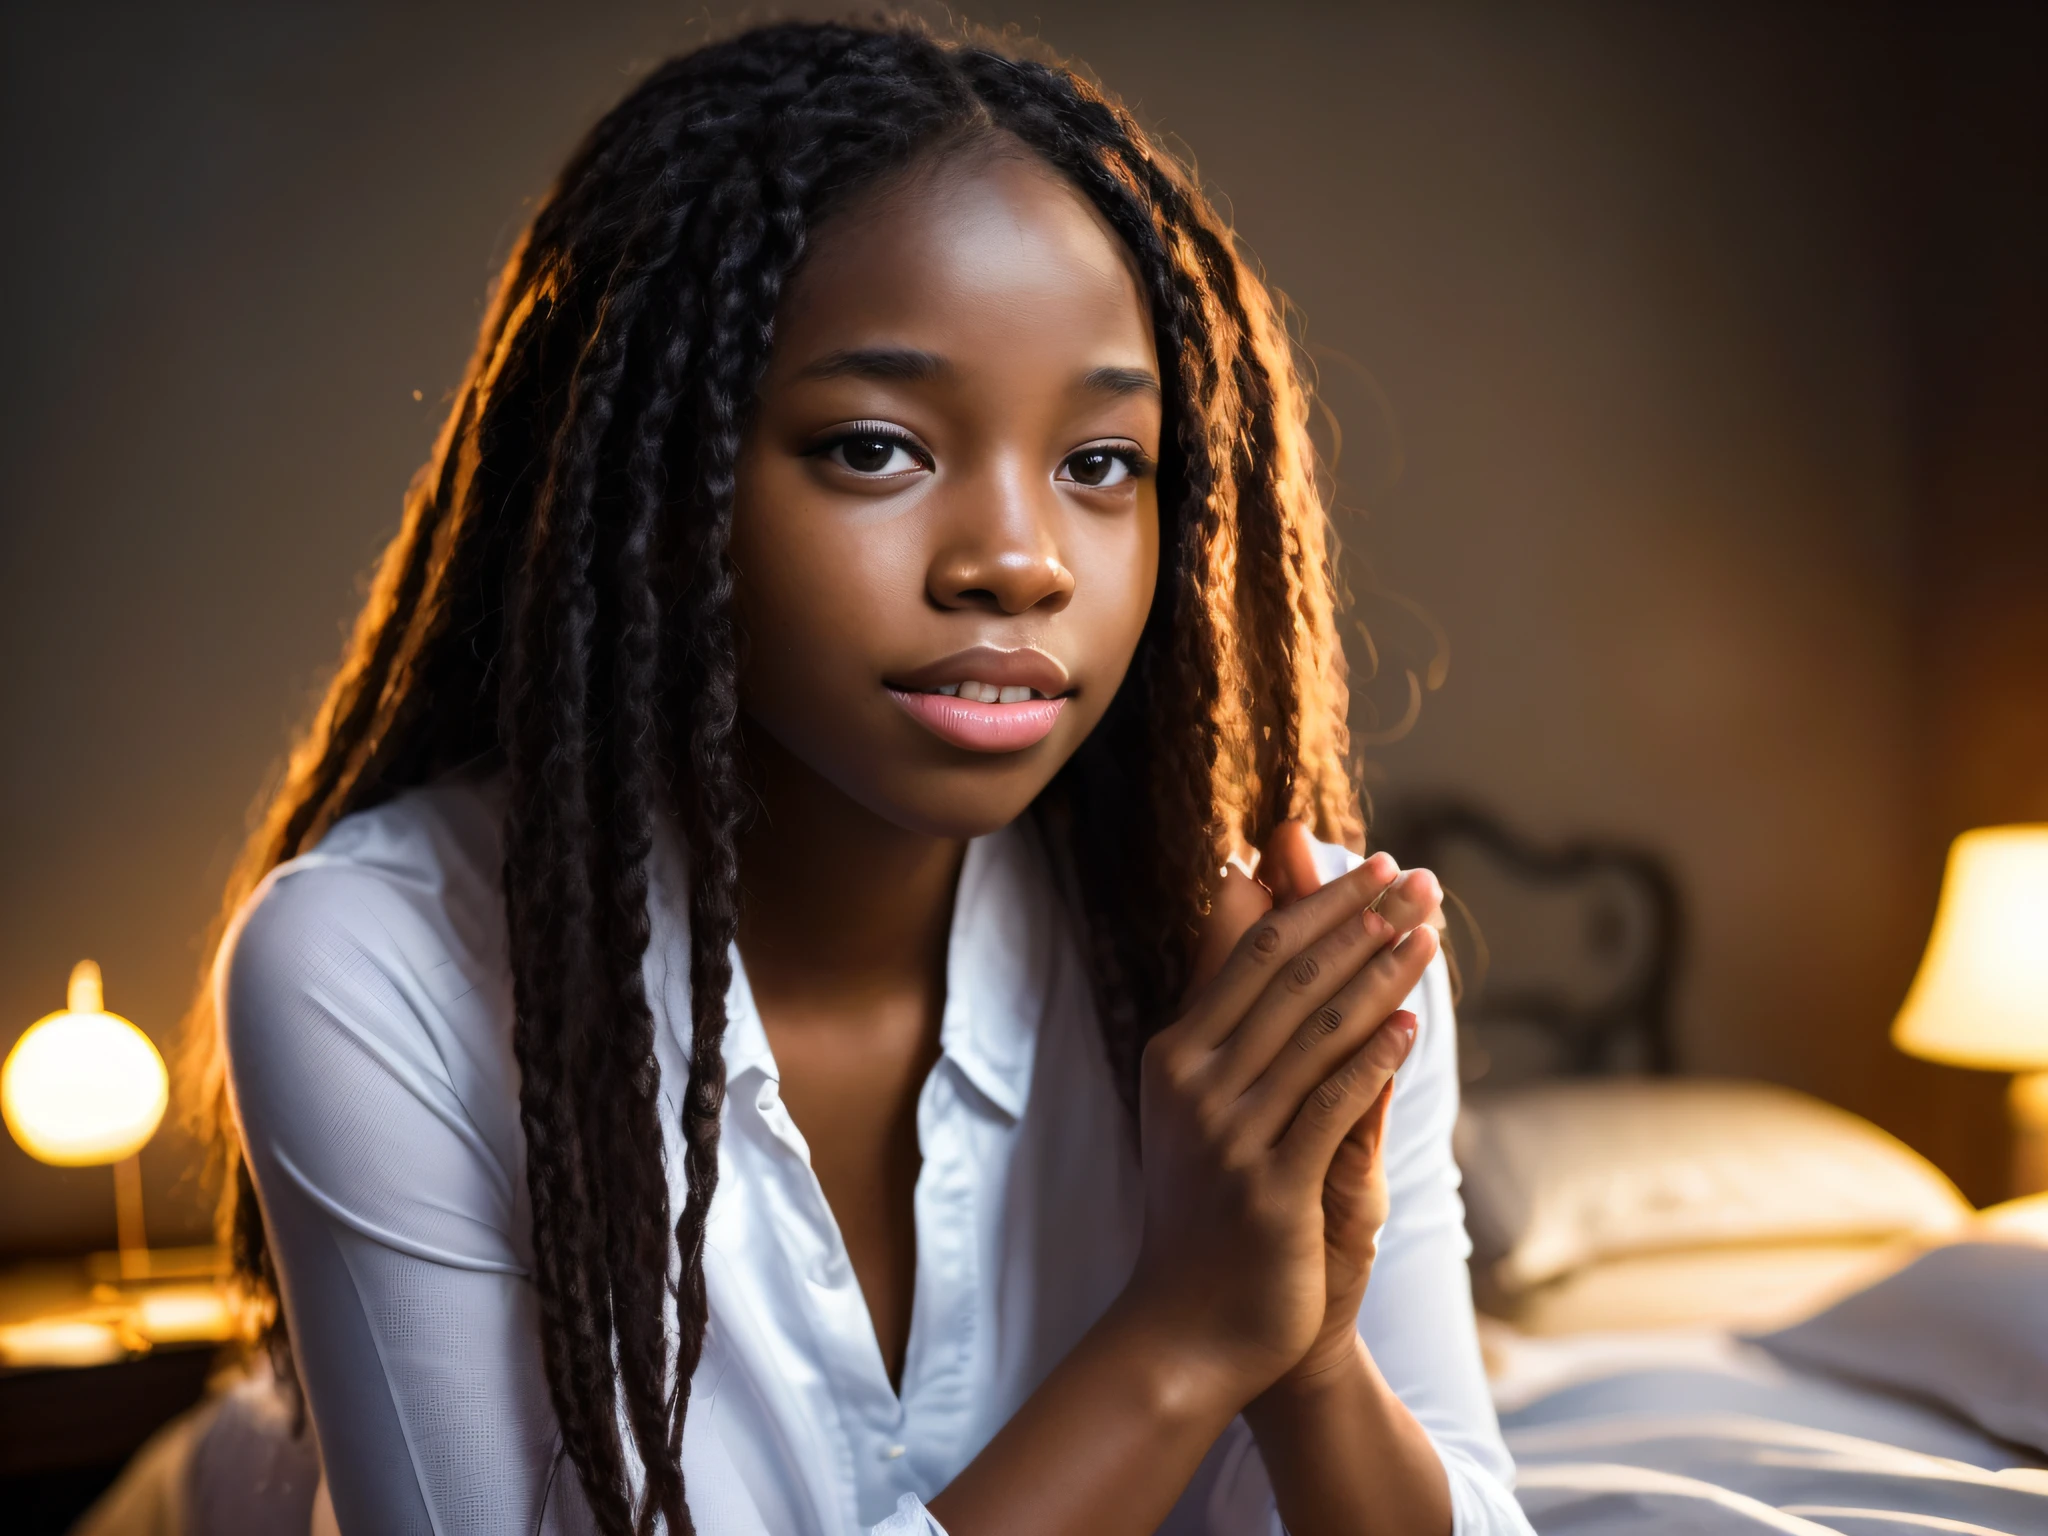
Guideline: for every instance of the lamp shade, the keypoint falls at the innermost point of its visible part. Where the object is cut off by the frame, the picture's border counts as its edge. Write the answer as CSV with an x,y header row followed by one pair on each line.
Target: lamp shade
x,y
83,1086
1981,996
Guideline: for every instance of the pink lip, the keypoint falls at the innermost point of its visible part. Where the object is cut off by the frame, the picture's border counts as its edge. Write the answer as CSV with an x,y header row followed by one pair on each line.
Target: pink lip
x,y
981,727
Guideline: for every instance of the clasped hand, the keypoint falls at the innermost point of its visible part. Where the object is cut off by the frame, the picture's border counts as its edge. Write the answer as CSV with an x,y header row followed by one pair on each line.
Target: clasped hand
x,y
1262,1110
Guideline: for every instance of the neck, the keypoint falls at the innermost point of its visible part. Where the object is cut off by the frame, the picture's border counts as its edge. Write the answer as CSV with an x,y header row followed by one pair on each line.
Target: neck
x,y
839,907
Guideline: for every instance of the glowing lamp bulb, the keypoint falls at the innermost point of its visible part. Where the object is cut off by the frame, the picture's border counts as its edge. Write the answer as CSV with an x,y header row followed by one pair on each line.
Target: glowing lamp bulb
x,y
83,1086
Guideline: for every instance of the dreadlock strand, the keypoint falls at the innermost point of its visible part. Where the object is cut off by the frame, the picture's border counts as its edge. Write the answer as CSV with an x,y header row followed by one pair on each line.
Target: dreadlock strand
x,y
637,1228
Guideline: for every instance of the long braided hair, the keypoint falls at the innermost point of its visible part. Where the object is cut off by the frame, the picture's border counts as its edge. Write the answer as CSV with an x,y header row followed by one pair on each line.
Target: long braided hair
x,y
560,594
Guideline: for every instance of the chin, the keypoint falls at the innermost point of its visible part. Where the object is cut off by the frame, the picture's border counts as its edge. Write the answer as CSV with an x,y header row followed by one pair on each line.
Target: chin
x,y
884,761
960,803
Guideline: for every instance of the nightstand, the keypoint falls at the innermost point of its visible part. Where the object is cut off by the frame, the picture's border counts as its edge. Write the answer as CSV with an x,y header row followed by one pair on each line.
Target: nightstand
x,y
91,1366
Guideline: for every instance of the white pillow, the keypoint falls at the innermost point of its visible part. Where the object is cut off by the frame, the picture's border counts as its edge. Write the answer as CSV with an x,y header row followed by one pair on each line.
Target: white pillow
x,y
2024,1219
1965,1324
1741,1287
1563,1174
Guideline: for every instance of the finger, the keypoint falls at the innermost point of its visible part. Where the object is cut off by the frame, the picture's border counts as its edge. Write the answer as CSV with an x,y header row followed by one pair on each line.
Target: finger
x,y
1371,1129
1239,902
1287,864
1341,1100
1349,1199
1313,979
1359,1151
1411,900
1334,1032
1305,987
1273,941
1286,872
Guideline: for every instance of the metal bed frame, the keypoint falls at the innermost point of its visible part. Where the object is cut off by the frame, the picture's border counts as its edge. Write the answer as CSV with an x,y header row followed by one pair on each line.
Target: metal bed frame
x,y
1567,965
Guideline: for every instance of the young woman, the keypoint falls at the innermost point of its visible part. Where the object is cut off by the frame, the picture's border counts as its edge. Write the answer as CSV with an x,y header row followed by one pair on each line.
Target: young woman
x,y
740,1028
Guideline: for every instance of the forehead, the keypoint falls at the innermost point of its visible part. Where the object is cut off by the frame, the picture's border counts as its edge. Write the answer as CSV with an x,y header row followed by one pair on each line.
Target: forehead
x,y
993,251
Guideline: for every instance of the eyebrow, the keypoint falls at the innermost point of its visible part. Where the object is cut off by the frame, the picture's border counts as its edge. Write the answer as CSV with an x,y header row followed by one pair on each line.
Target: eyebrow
x,y
902,364
1122,381
908,365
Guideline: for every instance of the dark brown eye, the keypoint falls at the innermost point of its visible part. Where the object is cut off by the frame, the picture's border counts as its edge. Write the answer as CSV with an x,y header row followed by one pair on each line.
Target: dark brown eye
x,y
872,455
1097,467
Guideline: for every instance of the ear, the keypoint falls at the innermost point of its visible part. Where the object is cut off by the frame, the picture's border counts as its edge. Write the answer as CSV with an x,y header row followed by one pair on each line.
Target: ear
x,y
1287,864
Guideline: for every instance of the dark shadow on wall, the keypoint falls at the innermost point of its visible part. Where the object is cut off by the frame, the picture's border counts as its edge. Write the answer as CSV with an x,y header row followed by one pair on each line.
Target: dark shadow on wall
x,y
1977,599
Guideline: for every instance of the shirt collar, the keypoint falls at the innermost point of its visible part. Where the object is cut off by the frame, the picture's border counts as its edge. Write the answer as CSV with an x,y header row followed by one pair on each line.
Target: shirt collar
x,y
746,1038
999,959
998,965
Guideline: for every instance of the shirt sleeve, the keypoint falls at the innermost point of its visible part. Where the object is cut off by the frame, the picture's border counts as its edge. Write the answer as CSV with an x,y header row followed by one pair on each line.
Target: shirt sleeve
x,y
414,1325
1417,1317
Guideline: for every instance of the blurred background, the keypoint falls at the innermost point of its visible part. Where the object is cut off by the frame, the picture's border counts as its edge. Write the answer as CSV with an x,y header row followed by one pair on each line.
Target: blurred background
x,y
1690,360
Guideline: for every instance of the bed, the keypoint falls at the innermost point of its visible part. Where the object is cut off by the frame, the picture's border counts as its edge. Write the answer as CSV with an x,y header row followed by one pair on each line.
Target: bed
x,y
1710,1306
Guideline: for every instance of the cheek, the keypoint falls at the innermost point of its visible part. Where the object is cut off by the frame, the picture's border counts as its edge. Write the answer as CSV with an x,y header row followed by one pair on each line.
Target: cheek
x,y
1116,569
814,591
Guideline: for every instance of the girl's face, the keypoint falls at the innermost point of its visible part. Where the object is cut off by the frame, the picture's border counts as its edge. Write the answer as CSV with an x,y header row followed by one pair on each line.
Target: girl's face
x,y
946,531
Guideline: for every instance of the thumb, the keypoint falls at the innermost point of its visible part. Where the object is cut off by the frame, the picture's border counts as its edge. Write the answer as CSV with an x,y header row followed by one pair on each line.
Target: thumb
x,y
1371,1128
1240,901
1287,864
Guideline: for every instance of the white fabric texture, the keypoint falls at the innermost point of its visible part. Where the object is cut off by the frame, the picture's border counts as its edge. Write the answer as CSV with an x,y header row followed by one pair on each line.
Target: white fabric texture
x,y
1697,1432
368,1005
1965,1326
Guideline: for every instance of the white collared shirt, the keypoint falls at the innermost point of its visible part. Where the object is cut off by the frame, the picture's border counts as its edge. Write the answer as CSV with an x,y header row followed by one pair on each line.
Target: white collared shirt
x,y
368,1002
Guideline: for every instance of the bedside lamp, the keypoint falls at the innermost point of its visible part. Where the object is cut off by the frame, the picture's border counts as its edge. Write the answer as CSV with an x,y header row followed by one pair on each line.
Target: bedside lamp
x,y
1981,996
85,1086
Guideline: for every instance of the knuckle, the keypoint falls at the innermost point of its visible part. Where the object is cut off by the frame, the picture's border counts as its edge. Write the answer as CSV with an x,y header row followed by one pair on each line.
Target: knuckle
x,y
1304,971
1237,1159
1397,962
1166,1065
1213,1118
1182,1079
1318,1027
1331,1093
1265,940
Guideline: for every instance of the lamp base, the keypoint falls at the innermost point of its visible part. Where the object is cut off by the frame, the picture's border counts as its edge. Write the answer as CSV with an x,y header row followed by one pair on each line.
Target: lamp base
x,y
112,1267
2027,1102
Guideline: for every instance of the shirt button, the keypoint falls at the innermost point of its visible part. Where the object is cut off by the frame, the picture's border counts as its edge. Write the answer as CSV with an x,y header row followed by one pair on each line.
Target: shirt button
x,y
892,1452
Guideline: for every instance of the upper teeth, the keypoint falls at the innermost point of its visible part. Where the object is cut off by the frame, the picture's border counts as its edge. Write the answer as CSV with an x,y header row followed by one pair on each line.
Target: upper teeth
x,y
988,693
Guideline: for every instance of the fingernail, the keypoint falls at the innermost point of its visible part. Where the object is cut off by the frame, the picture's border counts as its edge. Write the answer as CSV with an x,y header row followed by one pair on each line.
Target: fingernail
x,y
1377,927
1399,1031
1415,933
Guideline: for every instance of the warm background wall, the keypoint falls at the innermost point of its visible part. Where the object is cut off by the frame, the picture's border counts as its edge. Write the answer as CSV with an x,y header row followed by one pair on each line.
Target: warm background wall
x,y
1690,357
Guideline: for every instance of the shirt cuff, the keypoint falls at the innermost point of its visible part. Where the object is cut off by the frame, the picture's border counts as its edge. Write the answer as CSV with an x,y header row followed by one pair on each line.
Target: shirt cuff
x,y
910,1519
1480,1504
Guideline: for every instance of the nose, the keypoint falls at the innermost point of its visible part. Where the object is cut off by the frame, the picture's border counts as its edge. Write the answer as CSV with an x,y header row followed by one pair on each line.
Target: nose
x,y
1000,552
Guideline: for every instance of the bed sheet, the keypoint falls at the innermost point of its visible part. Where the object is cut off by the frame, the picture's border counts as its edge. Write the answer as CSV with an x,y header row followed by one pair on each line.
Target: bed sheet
x,y
1696,1433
